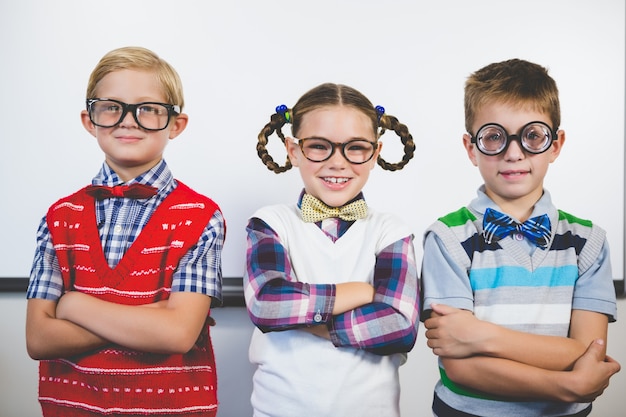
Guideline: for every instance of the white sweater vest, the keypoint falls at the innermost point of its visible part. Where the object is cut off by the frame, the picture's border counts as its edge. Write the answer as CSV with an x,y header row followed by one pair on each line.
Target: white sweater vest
x,y
299,374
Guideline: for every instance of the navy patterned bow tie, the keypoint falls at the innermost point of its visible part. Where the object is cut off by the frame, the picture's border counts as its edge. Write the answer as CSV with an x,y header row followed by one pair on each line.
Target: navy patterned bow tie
x,y
136,191
499,225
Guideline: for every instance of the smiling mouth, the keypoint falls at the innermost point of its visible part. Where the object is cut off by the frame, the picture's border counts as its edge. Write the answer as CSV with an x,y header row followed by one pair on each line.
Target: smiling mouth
x,y
335,180
514,173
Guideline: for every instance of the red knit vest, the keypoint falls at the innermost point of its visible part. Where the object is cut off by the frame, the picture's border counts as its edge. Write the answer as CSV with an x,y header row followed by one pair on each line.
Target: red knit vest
x,y
116,380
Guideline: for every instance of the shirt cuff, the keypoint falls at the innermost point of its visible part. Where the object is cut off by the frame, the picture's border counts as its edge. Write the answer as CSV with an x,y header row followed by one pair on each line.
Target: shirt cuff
x,y
321,303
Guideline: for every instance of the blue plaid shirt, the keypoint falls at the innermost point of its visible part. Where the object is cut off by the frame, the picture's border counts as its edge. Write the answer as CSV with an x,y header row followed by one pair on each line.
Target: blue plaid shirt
x,y
120,220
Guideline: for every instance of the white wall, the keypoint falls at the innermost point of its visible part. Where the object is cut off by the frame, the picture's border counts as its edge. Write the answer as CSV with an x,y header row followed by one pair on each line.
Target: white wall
x,y
18,373
240,59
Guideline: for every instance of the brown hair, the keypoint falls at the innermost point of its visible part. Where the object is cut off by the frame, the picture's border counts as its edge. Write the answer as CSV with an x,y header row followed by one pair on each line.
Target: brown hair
x,y
516,82
329,94
137,58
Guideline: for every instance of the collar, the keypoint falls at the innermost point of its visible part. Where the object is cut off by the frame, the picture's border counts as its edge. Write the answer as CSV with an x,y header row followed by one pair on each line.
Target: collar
x,y
158,176
542,206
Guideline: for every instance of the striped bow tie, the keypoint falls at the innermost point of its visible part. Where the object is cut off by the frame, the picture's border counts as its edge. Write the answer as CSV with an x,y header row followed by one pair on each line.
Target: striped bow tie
x,y
499,225
313,210
136,191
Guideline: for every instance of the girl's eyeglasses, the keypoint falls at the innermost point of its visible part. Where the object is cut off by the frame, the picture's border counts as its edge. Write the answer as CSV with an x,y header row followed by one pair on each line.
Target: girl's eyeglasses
x,y
356,151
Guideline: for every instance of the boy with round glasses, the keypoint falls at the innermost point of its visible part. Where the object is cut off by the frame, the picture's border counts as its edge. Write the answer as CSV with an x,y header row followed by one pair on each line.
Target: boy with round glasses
x,y
126,269
517,294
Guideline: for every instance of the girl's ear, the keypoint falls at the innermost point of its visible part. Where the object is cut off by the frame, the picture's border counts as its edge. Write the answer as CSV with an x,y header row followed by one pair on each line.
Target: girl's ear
x,y
293,151
376,154
86,121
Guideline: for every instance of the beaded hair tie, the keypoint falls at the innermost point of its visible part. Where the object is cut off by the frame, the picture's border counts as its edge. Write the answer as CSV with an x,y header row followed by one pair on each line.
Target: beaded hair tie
x,y
284,111
380,110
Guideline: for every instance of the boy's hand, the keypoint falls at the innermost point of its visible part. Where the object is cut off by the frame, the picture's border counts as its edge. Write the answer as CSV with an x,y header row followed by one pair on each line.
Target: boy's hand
x,y
157,304
453,332
591,374
65,304
210,321
168,328
70,297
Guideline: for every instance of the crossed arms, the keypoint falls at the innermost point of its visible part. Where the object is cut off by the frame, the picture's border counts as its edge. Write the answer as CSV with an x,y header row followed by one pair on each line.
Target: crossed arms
x,y
499,361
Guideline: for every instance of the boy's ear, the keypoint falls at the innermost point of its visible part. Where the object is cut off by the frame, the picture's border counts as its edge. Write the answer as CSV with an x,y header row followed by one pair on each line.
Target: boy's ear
x,y
470,148
178,125
86,121
557,145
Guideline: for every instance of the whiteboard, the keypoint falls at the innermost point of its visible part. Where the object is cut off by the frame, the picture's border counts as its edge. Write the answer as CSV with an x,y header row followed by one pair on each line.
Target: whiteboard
x,y
240,59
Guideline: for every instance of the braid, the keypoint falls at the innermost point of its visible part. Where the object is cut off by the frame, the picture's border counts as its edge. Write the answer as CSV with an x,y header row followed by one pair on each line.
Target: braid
x,y
391,122
277,121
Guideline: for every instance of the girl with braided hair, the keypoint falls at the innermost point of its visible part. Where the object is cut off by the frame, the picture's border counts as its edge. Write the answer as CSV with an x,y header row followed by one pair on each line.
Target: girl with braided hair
x,y
330,284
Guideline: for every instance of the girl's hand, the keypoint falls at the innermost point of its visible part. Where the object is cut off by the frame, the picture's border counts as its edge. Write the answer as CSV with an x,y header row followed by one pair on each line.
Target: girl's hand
x,y
351,295
320,330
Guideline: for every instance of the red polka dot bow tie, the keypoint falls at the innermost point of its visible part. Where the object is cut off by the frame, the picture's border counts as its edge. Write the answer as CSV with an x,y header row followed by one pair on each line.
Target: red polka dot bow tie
x,y
135,191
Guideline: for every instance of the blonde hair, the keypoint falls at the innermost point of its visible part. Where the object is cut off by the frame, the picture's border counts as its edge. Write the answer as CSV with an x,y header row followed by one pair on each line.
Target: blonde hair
x,y
329,94
138,58
515,82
